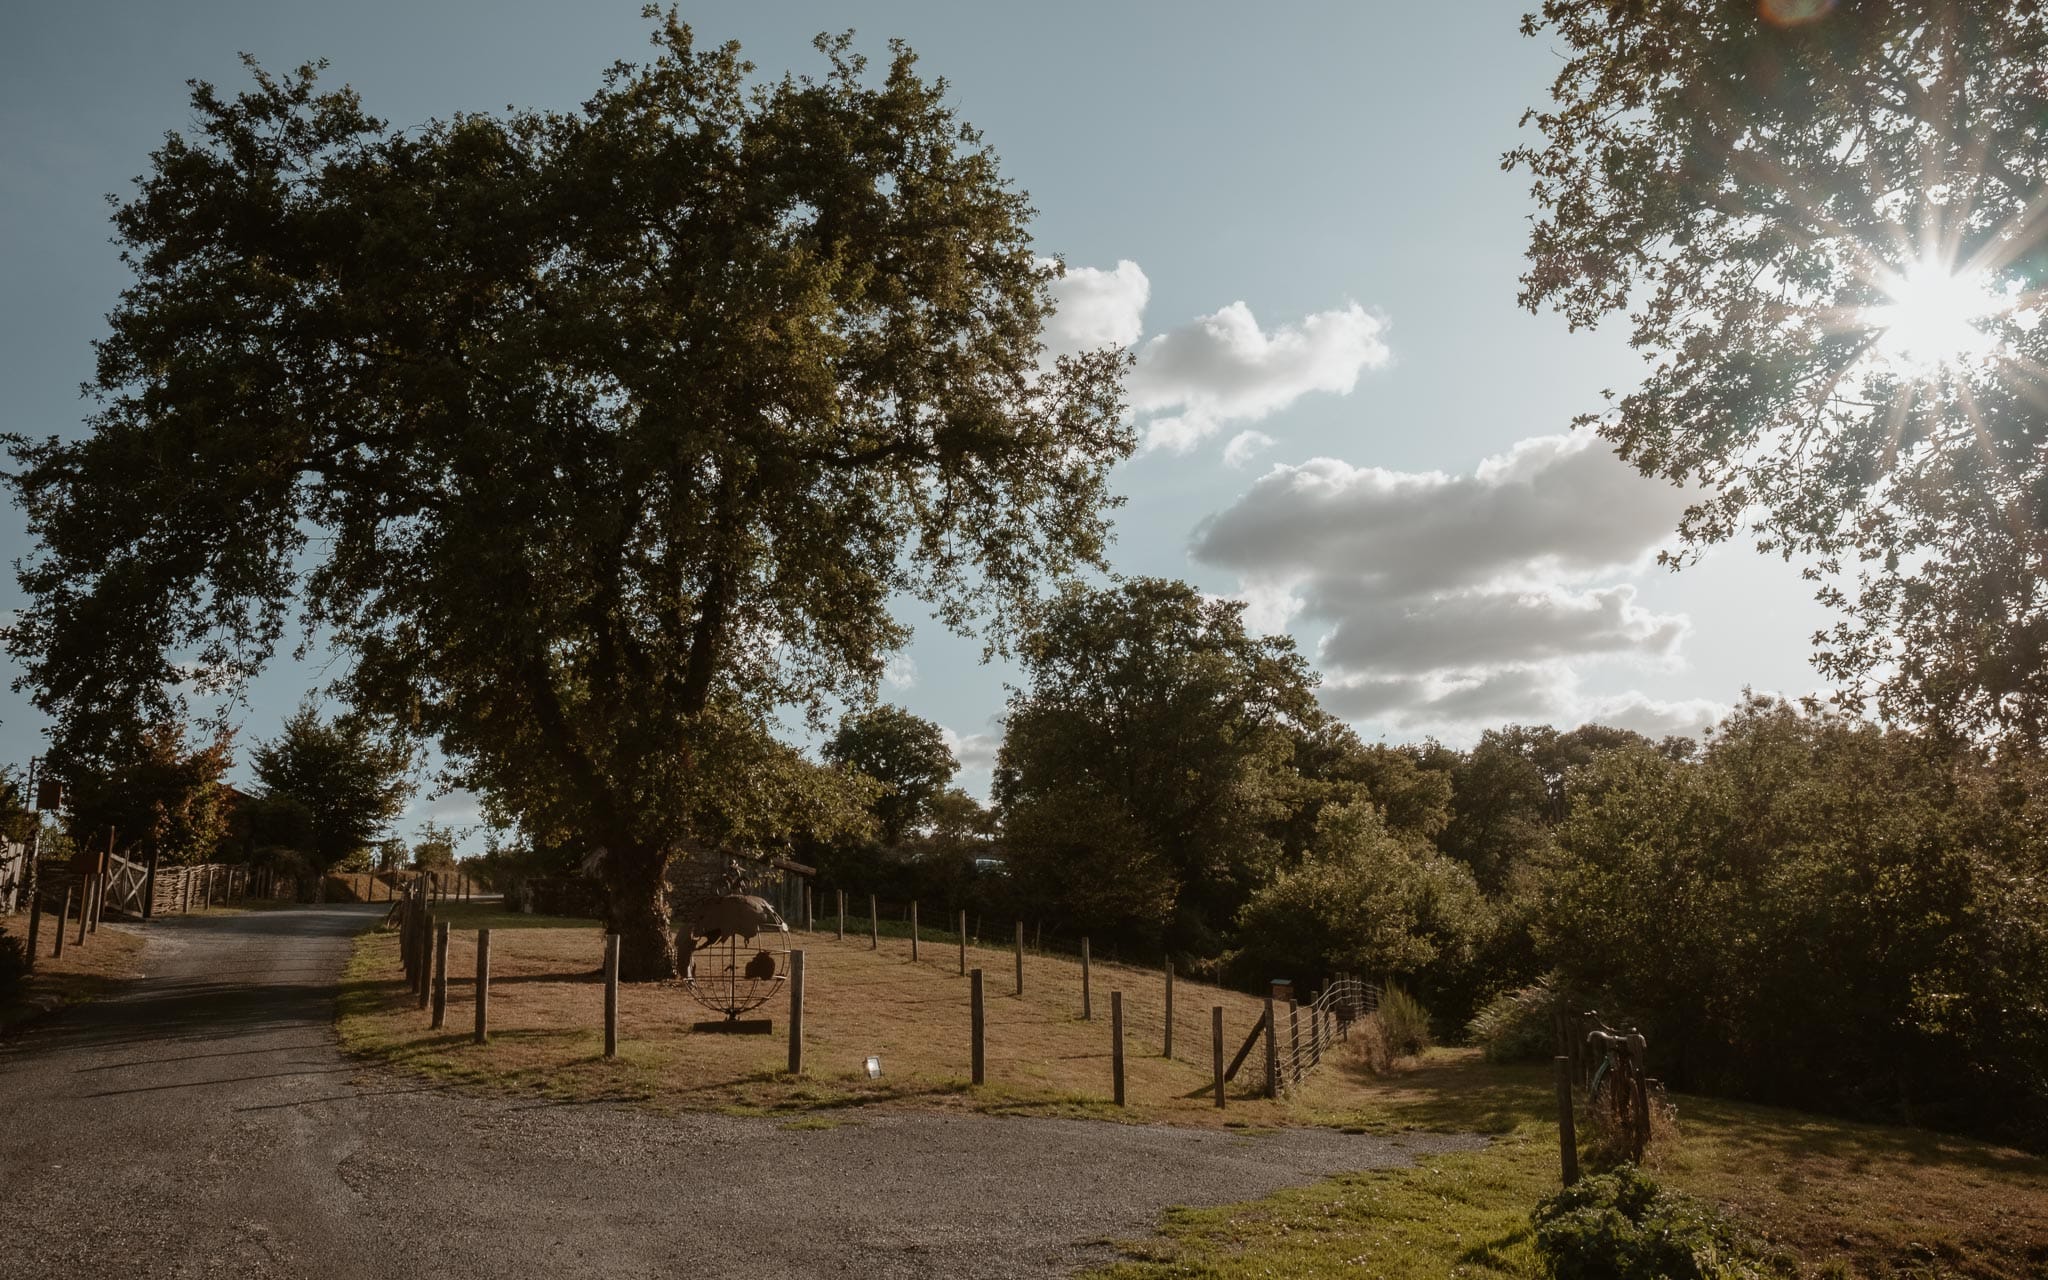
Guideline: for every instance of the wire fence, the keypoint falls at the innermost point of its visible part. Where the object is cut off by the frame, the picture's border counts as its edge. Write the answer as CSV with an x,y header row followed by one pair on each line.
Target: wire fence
x,y
1308,1032
1065,977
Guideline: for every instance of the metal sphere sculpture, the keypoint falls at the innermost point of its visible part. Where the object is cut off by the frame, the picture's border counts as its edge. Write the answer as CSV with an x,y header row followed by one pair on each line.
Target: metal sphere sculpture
x,y
724,970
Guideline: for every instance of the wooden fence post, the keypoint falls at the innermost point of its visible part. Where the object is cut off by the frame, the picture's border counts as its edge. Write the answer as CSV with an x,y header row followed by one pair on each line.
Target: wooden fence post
x,y
979,1027
35,919
842,915
963,941
1116,1042
1087,1000
1567,1138
1272,1054
1169,1010
483,984
796,1012
95,889
1216,1048
611,995
1020,957
874,925
84,909
1294,1035
807,909
62,912
421,924
440,974
426,946
913,930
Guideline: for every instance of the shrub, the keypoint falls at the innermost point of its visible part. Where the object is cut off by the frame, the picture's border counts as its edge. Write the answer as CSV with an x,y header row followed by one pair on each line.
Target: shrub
x,y
1398,1029
13,964
1623,1226
1518,1026
1403,1021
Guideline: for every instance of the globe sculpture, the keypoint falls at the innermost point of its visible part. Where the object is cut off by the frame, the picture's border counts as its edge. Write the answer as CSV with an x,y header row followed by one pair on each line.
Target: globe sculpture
x,y
724,969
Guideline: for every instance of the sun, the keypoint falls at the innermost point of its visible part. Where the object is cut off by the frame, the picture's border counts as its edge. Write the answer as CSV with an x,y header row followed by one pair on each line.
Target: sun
x,y
1933,318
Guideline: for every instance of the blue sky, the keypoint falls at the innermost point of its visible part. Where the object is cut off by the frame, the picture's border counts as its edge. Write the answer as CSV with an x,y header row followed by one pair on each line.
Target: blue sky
x,y
1310,200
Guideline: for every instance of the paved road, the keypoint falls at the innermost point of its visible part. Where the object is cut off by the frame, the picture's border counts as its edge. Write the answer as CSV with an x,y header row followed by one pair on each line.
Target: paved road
x,y
205,1124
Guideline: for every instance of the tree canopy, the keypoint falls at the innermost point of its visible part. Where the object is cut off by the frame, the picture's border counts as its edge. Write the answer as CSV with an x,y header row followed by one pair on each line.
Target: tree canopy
x,y
155,794
1147,766
906,753
590,437
348,783
1824,224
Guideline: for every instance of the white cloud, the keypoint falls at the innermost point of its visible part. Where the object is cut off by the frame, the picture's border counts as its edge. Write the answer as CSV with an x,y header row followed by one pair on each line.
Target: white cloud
x,y
1190,382
1098,308
1223,368
1545,692
1460,599
1548,505
1244,446
974,751
1481,627
1654,718
900,672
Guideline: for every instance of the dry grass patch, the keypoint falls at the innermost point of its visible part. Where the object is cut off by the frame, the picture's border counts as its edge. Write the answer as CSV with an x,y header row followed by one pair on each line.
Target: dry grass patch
x,y
87,971
547,1003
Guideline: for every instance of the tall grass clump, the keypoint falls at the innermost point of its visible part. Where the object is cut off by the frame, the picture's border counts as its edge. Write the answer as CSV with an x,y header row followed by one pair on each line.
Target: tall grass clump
x,y
1398,1029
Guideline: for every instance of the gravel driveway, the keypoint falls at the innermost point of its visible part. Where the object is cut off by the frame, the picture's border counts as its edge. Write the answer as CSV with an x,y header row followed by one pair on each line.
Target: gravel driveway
x,y
205,1124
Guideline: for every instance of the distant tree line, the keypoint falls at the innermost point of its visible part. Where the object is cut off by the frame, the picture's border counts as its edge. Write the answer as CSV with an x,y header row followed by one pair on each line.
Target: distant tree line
x,y
1806,908
326,793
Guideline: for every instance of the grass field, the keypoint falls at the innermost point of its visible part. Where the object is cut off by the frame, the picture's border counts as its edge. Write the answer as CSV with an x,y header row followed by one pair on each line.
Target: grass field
x,y
84,972
1834,1198
547,1028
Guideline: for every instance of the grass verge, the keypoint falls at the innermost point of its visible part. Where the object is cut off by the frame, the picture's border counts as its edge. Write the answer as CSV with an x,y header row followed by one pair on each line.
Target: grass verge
x,y
109,956
1829,1197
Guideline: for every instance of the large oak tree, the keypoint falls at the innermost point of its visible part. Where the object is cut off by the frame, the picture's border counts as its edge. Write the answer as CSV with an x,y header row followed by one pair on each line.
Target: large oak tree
x,y
588,437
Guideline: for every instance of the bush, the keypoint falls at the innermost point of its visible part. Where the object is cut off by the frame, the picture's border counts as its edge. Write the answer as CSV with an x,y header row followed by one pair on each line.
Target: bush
x,y
1518,1026
1623,1226
1398,1029
13,964
1403,1021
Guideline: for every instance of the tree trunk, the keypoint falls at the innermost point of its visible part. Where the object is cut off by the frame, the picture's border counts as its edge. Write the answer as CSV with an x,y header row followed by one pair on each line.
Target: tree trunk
x,y
636,881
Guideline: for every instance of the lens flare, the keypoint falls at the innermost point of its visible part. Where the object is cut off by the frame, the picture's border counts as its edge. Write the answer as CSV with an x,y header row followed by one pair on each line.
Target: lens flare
x,y
1933,318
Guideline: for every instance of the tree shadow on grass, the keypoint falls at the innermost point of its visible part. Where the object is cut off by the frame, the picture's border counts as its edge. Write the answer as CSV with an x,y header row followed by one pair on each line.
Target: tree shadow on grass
x,y
1494,1254
1458,1093
1762,1132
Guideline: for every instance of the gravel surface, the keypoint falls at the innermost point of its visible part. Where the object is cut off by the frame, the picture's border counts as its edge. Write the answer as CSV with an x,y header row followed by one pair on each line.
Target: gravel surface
x,y
205,1124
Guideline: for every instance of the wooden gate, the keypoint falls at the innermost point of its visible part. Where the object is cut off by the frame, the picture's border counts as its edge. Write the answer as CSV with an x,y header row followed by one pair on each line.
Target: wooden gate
x,y
13,876
127,886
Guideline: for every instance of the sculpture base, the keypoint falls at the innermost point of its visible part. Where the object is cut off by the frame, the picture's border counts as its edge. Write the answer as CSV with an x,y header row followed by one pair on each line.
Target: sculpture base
x,y
739,1027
